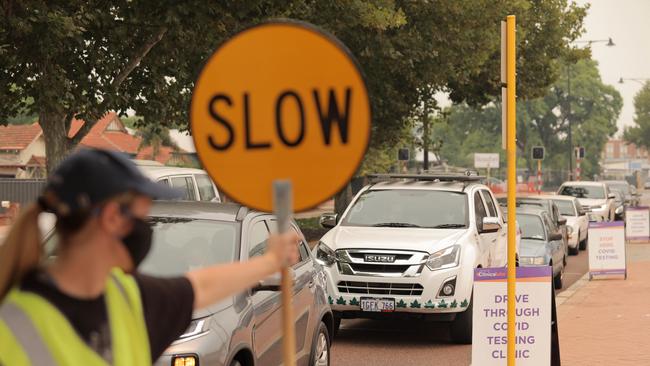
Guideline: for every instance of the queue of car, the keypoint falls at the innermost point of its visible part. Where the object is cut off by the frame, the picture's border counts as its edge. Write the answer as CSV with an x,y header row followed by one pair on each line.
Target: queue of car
x,y
405,247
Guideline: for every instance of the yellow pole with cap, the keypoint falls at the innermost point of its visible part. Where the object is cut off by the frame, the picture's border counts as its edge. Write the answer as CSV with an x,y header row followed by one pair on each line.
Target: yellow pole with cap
x,y
512,181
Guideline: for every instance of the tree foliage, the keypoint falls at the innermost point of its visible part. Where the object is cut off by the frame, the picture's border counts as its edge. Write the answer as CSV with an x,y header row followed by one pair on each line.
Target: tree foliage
x,y
82,58
639,134
541,121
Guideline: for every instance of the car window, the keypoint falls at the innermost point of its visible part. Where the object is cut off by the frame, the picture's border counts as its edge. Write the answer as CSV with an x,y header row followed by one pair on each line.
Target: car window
x,y
304,252
164,181
531,227
206,190
273,227
479,209
408,208
492,210
566,207
590,192
549,224
257,239
186,184
181,244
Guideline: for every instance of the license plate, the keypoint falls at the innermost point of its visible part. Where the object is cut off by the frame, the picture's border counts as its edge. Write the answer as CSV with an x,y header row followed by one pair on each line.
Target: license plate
x,y
378,305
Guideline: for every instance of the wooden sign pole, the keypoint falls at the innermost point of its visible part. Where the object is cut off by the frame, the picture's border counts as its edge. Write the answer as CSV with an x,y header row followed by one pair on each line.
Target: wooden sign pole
x,y
282,204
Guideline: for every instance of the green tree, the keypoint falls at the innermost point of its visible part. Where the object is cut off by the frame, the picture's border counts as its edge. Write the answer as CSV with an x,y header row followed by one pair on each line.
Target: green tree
x,y
540,121
639,134
82,58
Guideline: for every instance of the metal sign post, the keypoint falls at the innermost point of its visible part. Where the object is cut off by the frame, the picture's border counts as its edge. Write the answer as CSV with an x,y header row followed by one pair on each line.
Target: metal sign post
x,y
282,204
512,179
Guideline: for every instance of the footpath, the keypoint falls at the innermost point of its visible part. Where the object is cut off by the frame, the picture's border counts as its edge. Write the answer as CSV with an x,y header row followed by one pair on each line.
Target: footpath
x,y
607,322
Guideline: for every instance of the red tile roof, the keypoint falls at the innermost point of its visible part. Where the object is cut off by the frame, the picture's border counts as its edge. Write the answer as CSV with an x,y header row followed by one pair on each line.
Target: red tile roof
x,y
164,154
36,161
18,137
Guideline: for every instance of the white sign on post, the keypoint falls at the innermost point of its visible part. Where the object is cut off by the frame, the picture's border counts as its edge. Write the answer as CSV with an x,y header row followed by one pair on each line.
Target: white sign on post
x,y
606,249
486,160
533,316
637,223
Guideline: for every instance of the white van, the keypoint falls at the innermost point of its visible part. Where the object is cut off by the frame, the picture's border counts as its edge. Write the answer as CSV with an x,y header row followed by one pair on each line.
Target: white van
x,y
195,183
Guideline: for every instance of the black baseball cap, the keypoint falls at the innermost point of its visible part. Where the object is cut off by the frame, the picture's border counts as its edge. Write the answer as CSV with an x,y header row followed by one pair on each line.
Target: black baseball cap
x,y
90,176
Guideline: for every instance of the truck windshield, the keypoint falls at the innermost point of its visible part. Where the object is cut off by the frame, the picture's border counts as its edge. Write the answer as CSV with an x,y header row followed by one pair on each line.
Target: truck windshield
x,y
409,208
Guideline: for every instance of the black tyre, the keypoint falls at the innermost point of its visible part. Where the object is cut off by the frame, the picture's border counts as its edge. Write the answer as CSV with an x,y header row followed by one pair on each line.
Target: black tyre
x,y
320,349
336,325
557,280
576,250
460,329
583,244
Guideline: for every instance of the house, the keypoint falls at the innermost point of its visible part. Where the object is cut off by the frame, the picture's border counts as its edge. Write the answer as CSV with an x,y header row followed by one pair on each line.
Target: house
x,y
22,149
23,155
620,159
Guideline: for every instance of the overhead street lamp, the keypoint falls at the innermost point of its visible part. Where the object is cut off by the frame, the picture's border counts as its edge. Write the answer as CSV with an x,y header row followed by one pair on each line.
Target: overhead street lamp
x,y
609,43
641,81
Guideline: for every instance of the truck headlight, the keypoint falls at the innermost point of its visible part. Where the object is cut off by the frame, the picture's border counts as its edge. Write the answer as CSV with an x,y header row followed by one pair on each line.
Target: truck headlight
x,y
537,261
325,255
445,258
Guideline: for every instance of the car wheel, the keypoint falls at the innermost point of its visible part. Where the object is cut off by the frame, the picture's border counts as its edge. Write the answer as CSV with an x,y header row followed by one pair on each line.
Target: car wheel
x,y
557,280
460,329
337,324
576,250
583,244
320,350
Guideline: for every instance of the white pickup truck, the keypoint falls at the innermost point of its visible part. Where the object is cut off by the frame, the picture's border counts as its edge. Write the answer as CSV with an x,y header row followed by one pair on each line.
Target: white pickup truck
x,y
408,246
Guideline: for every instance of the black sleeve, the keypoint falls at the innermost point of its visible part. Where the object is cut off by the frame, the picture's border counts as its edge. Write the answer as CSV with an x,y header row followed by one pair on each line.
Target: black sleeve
x,y
167,305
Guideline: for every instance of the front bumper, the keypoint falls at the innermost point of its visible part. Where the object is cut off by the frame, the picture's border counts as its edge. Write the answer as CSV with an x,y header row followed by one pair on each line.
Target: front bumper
x,y
602,212
417,294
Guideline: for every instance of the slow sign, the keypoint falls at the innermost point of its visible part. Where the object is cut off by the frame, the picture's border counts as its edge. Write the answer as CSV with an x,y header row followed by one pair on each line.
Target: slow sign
x,y
280,101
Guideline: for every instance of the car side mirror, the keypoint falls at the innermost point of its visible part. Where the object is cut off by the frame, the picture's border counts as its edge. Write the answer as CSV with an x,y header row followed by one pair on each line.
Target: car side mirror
x,y
490,225
328,220
561,221
611,195
556,236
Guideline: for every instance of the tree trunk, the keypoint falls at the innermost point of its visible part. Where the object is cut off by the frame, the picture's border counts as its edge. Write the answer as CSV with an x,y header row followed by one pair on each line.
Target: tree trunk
x,y
425,141
342,199
56,138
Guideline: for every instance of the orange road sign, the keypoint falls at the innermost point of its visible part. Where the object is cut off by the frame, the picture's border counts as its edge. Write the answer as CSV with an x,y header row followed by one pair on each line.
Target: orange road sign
x,y
280,101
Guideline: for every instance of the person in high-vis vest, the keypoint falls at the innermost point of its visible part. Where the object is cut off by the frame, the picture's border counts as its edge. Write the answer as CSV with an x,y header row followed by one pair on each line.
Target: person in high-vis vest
x,y
89,305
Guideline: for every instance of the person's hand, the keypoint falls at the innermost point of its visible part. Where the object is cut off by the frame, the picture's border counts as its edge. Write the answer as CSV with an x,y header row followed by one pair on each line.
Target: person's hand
x,y
283,249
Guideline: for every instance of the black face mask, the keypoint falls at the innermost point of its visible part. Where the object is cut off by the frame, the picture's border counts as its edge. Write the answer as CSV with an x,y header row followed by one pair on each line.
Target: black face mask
x,y
138,241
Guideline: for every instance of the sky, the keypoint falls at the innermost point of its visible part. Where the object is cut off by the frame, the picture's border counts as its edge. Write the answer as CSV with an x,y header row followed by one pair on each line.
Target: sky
x,y
627,22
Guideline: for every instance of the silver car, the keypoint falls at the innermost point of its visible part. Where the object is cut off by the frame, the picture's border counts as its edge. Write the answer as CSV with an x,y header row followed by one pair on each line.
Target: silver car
x,y
246,329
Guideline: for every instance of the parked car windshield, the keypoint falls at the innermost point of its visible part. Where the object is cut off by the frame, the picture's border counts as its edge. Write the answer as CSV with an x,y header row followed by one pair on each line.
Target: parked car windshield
x,y
621,186
566,207
181,244
409,208
531,227
591,192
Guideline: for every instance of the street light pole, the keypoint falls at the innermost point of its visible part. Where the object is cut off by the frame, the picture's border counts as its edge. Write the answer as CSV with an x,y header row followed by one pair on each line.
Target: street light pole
x,y
609,43
641,81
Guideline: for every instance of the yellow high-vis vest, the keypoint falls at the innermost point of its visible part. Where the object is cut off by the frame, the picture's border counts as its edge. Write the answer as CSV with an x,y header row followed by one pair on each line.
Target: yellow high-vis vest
x,y
34,332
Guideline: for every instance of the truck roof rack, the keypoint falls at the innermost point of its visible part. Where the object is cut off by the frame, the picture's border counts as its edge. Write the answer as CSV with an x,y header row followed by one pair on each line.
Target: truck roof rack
x,y
468,176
